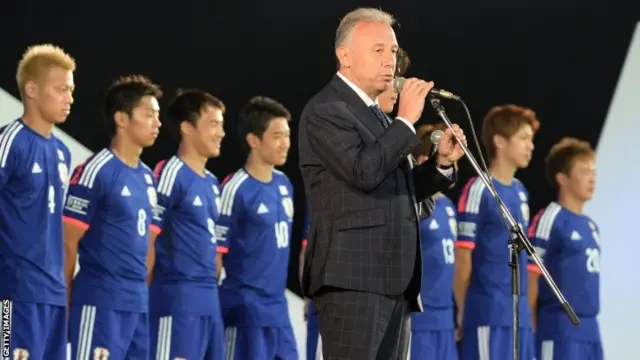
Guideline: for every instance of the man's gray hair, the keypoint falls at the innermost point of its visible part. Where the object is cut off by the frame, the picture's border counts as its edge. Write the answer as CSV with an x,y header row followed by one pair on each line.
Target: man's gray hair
x,y
360,15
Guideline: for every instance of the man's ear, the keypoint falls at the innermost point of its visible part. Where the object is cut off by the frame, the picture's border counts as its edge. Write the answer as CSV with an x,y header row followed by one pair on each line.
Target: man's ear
x,y
344,57
252,140
121,118
187,128
562,179
31,89
499,142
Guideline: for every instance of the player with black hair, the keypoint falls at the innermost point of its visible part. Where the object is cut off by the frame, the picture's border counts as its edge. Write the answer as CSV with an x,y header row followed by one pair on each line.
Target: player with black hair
x,y
254,231
184,309
109,207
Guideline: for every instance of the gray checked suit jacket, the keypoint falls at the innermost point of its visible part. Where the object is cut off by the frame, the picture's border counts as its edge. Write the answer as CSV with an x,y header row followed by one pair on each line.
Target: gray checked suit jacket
x,y
363,196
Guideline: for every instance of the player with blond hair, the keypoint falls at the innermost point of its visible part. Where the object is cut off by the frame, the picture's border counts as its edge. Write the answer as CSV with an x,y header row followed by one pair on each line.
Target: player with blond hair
x,y
33,176
568,243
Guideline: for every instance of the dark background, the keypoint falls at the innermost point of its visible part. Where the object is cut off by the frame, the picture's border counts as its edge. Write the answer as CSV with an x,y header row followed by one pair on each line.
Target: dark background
x,y
558,58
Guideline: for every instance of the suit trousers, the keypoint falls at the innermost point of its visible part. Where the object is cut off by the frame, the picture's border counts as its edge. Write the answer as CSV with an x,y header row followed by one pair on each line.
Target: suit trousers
x,y
357,325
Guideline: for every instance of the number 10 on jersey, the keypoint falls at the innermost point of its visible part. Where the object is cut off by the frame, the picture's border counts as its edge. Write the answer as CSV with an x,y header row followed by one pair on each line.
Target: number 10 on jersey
x,y
282,234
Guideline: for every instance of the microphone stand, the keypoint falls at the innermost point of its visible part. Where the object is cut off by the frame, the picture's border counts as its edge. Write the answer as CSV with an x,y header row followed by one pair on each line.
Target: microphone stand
x,y
517,243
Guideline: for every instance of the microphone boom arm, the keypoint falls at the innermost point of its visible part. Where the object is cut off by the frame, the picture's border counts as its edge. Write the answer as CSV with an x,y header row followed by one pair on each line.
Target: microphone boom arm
x,y
517,243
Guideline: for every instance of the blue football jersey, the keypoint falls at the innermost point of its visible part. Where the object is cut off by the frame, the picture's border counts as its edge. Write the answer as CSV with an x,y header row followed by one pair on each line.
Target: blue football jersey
x,y
437,238
33,179
482,228
255,227
114,203
569,246
184,275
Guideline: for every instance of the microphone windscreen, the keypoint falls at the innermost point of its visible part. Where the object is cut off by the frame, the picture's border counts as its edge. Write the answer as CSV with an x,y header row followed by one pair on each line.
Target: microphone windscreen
x,y
435,137
398,83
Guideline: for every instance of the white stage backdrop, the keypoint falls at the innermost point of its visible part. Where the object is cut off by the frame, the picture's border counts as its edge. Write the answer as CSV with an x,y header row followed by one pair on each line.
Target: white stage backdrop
x,y
613,208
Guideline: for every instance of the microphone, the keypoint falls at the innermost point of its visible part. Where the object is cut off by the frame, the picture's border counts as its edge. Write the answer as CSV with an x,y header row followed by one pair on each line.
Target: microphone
x,y
399,81
435,141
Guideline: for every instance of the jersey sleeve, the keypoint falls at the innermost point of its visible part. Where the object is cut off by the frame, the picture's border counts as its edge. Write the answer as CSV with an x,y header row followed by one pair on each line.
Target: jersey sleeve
x,y
8,152
168,187
84,193
469,210
231,210
541,234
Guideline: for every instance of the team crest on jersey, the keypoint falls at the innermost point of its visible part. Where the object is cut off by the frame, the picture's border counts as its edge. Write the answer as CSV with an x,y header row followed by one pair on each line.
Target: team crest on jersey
x,y
453,224
148,179
100,354
153,197
20,354
64,173
524,207
450,211
60,155
287,203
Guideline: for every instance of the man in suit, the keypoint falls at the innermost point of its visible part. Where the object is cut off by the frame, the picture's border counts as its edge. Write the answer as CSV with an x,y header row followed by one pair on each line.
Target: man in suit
x,y
363,264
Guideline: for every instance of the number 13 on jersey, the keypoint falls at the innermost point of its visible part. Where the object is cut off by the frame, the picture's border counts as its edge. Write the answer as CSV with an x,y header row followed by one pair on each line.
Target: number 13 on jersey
x,y
282,234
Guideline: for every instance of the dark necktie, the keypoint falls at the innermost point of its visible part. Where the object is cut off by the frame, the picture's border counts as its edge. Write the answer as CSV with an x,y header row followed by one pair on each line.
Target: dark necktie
x,y
382,118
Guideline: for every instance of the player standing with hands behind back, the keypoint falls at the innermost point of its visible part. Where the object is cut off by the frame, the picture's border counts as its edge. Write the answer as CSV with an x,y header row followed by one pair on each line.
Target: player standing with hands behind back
x,y
184,309
568,242
33,176
482,284
109,207
254,232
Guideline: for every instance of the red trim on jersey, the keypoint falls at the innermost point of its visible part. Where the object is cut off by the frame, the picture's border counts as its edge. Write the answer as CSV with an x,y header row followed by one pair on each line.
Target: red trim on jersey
x,y
534,269
75,222
155,229
304,242
76,174
158,169
222,249
78,171
462,203
534,224
466,244
226,178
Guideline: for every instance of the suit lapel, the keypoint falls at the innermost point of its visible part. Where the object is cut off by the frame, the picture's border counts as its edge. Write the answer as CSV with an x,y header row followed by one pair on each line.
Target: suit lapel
x,y
371,122
357,106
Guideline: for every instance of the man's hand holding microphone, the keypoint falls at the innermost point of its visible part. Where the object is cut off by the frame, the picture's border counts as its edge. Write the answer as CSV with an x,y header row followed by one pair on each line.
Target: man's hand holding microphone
x,y
413,93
